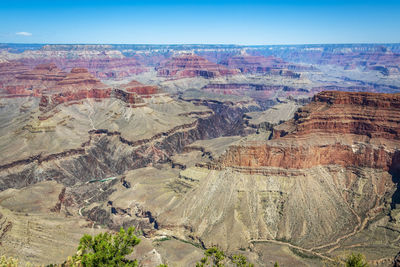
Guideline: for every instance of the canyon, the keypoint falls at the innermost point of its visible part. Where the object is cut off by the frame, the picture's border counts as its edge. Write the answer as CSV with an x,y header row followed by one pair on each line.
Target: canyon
x,y
281,153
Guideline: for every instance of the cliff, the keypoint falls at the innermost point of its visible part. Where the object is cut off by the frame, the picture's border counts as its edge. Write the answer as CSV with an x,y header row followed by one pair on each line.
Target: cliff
x,y
335,112
32,82
188,65
101,66
55,87
259,64
79,77
316,184
336,128
141,89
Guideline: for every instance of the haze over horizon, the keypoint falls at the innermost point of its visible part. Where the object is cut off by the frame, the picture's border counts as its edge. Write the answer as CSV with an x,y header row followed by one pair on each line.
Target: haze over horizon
x,y
200,22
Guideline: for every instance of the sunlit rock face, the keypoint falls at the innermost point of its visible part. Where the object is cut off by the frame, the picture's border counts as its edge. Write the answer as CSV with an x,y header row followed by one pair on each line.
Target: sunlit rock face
x,y
340,128
322,175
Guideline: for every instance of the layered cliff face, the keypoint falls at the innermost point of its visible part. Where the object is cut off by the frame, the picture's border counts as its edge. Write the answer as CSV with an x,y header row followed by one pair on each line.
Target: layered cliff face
x,y
78,77
365,114
43,73
33,82
256,90
8,71
101,61
55,87
322,177
48,77
259,64
339,128
103,68
141,89
190,65
381,58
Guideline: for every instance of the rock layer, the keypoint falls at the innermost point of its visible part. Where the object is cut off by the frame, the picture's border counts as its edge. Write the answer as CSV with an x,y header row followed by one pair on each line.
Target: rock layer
x,y
259,64
55,87
188,65
323,176
336,128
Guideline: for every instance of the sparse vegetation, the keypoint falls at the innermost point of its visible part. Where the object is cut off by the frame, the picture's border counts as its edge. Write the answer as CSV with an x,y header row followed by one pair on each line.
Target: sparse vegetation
x,y
356,260
241,261
197,245
215,257
212,257
352,260
12,262
8,262
106,249
166,238
110,250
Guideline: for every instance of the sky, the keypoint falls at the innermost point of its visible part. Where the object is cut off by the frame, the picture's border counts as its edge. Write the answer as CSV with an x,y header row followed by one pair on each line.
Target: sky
x,y
200,22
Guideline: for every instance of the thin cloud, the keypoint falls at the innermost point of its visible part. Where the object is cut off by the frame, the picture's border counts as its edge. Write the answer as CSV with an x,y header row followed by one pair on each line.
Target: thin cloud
x,y
24,33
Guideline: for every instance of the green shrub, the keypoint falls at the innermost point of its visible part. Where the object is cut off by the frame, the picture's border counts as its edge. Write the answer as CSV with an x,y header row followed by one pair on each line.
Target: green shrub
x,y
11,262
215,257
106,249
212,256
356,260
241,261
8,262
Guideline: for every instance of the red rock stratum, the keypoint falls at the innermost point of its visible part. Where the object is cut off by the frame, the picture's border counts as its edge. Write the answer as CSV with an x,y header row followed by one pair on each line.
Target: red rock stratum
x,y
336,128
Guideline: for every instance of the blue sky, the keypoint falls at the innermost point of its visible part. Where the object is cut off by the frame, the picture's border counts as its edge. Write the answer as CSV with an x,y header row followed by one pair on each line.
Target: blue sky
x,y
210,22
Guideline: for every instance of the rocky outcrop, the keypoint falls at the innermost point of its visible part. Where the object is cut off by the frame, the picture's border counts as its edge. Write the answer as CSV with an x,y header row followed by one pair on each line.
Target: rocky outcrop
x,y
141,89
190,65
49,101
79,77
131,98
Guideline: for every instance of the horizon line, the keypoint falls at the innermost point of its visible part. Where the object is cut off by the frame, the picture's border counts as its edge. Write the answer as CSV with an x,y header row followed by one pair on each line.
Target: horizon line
x,y
208,44
205,44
